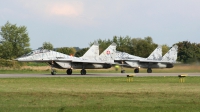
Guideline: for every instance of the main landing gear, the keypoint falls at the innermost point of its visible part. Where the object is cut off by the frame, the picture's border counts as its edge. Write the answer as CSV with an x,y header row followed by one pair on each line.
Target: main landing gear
x,y
149,70
69,71
136,70
83,72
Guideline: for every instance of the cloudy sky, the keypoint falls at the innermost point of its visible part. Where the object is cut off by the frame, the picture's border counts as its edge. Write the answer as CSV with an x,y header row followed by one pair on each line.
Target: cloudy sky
x,y
78,22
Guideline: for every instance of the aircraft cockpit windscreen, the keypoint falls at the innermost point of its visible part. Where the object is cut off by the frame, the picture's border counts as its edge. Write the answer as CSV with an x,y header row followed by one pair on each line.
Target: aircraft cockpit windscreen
x,y
37,51
29,53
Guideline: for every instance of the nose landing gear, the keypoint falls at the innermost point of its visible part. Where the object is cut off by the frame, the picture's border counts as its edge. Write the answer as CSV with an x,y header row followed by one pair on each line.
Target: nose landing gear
x,y
137,70
53,71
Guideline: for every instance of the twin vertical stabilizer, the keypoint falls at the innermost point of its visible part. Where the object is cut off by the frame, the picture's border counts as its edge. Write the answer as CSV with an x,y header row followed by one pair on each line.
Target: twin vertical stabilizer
x,y
108,55
156,54
92,53
171,55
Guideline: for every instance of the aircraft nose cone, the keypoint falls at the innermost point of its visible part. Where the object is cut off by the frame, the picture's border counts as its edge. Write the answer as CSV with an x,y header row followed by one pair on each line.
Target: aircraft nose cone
x,y
19,59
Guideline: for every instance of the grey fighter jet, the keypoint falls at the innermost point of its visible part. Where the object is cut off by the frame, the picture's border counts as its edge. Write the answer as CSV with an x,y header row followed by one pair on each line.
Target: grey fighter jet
x,y
155,60
90,60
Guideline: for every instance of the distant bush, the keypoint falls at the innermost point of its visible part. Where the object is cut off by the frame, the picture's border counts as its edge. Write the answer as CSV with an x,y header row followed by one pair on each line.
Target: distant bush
x,y
10,63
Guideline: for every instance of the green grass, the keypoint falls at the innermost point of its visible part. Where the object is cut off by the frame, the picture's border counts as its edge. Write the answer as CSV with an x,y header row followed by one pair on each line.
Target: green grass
x,y
47,69
83,94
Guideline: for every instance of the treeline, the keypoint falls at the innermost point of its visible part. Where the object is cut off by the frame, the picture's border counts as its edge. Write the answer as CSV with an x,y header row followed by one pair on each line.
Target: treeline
x,y
187,52
14,43
135,46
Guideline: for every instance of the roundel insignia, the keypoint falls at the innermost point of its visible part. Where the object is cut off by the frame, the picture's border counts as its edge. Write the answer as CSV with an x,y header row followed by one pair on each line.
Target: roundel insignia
x,y
108,52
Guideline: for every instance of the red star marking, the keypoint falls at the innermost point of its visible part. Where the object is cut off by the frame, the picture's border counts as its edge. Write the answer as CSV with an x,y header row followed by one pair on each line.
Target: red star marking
x,y
108,52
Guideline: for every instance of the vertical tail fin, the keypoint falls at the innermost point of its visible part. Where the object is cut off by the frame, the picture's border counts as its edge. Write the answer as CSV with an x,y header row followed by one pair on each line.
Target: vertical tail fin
x,y
171,55
156,54
108,55
92,53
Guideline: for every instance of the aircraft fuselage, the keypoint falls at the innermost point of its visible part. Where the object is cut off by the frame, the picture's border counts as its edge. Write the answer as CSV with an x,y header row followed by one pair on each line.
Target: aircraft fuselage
x,y
156,65
77,65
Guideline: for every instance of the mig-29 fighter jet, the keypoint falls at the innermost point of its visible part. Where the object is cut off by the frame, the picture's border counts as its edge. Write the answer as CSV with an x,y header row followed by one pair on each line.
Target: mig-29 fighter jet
x,y
63,61
155,60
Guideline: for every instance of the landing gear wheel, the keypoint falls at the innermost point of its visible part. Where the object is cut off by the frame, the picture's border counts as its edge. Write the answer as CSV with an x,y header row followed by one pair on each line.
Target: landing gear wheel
x,y
69,71
83,72
136,70
53,72
122,71
149,70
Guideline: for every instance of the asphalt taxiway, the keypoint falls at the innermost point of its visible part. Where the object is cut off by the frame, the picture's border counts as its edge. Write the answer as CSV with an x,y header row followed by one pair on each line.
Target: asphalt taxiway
x,y
95,75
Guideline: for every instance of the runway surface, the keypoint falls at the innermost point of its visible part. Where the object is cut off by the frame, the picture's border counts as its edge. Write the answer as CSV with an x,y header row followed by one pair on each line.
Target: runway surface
x,y
95,75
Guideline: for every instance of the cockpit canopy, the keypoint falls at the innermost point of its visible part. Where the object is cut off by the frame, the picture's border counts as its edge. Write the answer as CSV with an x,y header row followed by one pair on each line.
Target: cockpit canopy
x,y
37,51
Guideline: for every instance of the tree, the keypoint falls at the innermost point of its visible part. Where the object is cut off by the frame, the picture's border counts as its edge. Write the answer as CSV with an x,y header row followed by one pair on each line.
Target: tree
x,y
123,43
81,52
14,41
188,52
47,45
142,47
134,46
165,49
67,50
103,44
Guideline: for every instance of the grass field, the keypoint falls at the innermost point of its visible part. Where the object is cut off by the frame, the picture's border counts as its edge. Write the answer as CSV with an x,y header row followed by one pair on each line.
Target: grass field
x,y
75,94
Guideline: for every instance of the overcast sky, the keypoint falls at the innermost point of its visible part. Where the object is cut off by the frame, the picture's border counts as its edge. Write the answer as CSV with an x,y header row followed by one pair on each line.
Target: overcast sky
x,y
69,23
